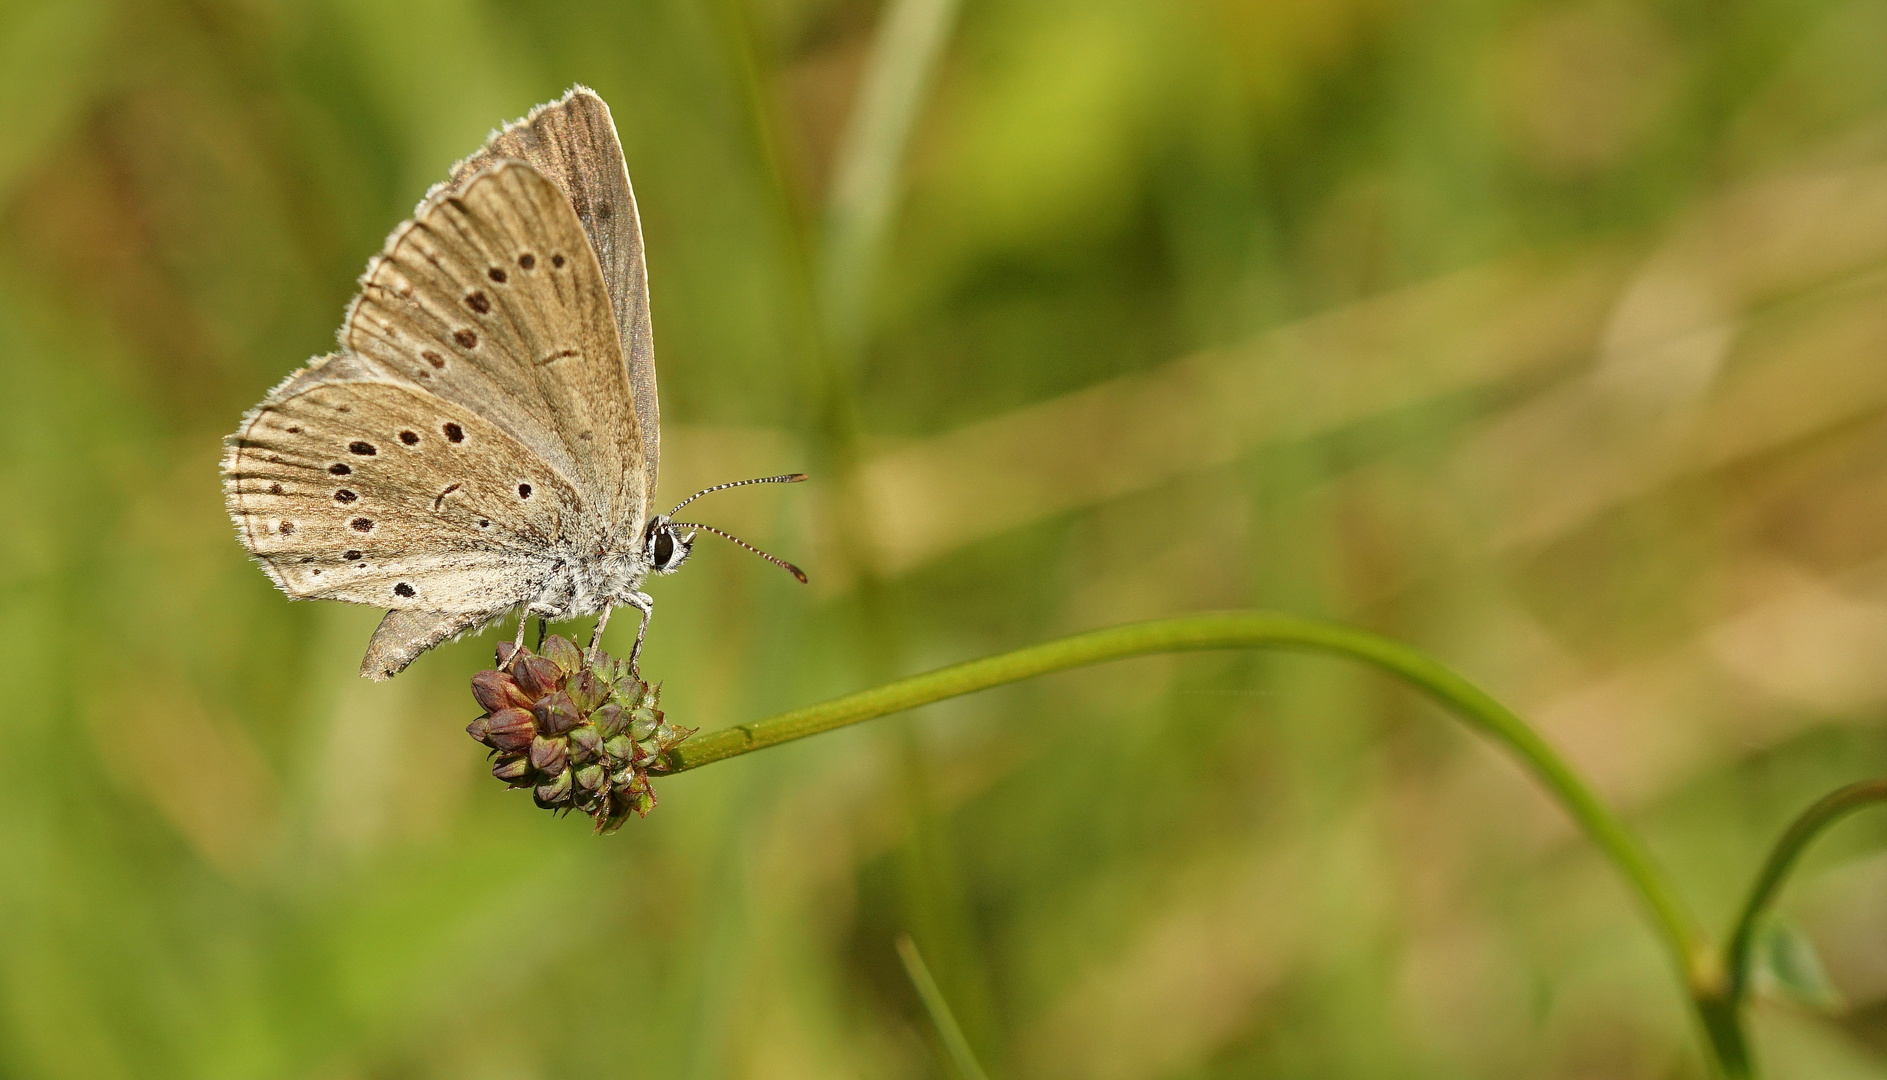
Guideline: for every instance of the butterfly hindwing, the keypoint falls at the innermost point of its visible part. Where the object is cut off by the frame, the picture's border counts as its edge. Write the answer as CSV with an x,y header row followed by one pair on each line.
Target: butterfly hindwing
x,y
492,299
378,493
403,635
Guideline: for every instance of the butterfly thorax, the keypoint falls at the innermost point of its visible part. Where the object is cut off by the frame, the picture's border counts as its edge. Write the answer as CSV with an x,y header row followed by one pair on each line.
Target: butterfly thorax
x,y
587,584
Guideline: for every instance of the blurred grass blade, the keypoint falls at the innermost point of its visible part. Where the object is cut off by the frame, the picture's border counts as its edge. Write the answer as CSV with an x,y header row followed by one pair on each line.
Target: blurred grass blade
x,y
947,1028
866,182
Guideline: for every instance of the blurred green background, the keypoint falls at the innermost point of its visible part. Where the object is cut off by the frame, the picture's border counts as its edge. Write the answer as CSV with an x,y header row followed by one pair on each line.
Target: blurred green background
x,y
1550,336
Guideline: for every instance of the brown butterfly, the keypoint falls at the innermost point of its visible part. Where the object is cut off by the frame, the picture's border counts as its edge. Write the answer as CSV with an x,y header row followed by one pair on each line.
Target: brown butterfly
x,y
487,437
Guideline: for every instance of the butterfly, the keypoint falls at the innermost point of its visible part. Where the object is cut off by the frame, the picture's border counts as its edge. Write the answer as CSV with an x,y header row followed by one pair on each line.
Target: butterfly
x,y
486,439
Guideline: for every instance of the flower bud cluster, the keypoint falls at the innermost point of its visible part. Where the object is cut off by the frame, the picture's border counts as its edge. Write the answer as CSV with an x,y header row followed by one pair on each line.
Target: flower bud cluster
x,y
583,733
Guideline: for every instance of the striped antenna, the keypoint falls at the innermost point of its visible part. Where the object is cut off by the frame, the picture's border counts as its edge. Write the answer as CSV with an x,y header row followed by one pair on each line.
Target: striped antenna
x,y
788,478
782,563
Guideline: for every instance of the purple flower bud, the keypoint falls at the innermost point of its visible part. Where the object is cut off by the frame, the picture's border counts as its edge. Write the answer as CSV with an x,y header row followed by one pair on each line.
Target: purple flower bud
x,y
560,651
580,731
549,755
631,693
585,743
495,690
608,720
549,795
587,690
620,750
556,714
591,777
537,676
510,729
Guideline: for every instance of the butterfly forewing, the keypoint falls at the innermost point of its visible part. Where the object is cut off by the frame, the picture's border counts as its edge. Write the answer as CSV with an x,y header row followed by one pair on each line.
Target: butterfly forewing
x,y
492,299
573,142
378,493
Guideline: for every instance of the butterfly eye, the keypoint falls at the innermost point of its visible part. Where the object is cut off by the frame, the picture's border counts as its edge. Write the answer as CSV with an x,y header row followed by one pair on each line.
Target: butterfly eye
x,y
663,549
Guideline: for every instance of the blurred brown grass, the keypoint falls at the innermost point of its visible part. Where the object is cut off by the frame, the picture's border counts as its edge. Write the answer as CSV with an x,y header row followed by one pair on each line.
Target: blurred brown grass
x,y
1549,336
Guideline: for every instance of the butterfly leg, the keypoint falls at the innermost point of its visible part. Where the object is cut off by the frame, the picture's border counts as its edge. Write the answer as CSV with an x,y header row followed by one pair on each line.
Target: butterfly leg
x,y
517,645
596,635
644,603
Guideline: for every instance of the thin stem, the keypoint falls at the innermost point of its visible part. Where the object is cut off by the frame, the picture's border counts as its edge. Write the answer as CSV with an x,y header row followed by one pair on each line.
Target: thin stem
x,y
1803,831
940,1015
1234,630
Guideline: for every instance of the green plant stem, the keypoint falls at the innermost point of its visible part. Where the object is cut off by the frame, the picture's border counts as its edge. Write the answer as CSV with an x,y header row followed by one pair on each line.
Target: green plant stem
x,y
1697,962
1775,872
1233,630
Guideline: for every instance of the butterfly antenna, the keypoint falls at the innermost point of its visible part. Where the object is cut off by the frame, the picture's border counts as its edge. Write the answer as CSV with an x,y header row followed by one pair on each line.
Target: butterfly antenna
x,y
781,563
787,478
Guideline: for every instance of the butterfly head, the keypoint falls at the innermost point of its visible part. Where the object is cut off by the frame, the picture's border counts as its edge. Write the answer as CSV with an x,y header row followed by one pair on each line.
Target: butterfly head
x,y
666,546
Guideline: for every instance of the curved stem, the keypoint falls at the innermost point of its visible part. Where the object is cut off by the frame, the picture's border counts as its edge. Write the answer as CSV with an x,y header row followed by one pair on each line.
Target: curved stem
x,y
1233,630
1803,831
